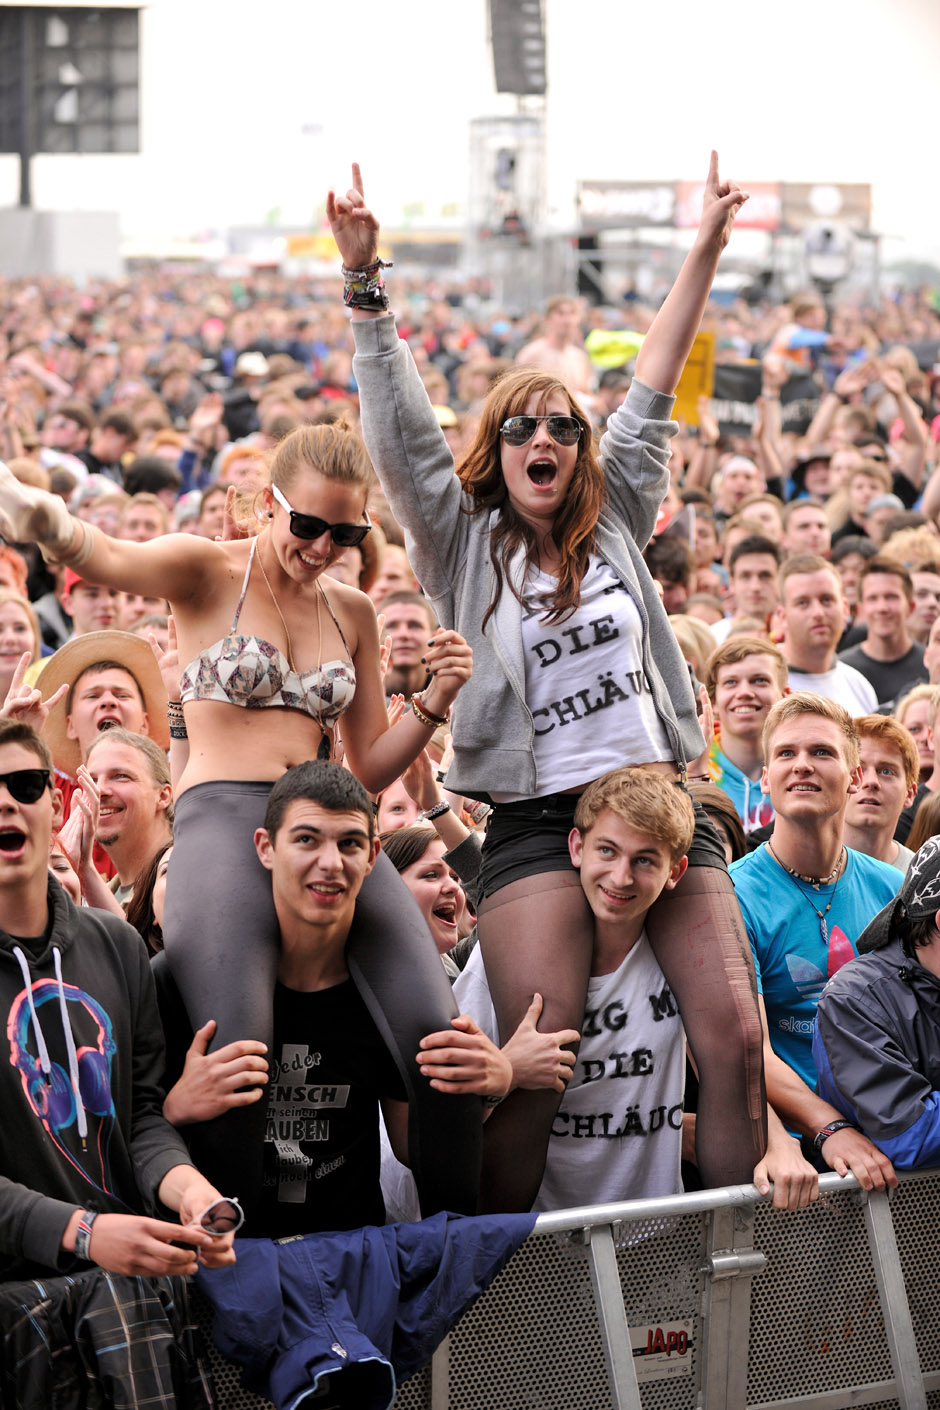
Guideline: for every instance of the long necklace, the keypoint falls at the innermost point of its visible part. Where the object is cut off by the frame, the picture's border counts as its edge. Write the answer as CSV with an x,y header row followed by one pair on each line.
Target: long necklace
x,y
277,608
325,747
795,877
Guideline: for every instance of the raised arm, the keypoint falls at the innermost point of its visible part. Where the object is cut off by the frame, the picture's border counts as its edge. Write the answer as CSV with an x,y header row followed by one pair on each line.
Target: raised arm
x,y
405,442
913,450
356,232
666,347
173,566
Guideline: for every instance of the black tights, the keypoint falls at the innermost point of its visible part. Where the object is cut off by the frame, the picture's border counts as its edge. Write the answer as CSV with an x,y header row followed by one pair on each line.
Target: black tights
x,y
698,937
536,935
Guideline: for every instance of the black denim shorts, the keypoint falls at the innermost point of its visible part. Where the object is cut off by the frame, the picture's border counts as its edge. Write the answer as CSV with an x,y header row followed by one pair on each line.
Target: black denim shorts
x,y
527,838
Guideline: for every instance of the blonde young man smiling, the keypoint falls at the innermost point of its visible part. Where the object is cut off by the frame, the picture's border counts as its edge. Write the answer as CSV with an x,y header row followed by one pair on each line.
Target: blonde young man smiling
x,y
805,899
631,836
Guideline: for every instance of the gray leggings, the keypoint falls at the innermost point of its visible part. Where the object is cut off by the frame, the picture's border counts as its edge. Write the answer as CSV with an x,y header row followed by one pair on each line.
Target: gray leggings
x,y
220,932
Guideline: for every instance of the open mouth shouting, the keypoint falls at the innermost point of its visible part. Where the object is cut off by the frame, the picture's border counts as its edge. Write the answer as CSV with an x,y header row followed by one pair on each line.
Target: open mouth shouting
x,y
12,841
542,474
446,913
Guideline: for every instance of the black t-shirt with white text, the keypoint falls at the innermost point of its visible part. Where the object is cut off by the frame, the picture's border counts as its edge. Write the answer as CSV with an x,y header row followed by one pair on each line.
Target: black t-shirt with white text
x,y
330,1067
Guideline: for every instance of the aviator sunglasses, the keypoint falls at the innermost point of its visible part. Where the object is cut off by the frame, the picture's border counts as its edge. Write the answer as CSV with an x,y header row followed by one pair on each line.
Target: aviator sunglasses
x,y
308,526
26,785
566,430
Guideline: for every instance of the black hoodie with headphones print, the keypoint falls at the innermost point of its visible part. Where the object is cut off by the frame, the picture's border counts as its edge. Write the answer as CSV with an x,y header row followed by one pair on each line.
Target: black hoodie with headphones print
x,y
82,1123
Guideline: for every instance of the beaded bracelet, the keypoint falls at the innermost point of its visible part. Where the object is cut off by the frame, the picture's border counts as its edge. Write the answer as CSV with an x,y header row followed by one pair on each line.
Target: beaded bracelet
x,y
427,719
437,811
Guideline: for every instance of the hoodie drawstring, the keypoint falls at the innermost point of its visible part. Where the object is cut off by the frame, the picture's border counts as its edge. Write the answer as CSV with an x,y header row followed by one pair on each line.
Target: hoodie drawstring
x,y
70,1046
28,983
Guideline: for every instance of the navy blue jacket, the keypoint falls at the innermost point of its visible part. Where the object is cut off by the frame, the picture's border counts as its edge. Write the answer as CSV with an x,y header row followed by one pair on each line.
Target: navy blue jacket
x,y
360,1308
877,1051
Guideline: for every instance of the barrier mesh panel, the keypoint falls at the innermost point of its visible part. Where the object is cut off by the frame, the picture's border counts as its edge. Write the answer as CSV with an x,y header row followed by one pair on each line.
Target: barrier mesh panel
x,y
538,1327
533,1341
915,1212
816,1322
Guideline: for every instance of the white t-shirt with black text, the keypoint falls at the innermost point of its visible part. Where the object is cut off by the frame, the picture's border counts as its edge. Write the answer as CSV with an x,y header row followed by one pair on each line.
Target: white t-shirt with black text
x,y
617,1134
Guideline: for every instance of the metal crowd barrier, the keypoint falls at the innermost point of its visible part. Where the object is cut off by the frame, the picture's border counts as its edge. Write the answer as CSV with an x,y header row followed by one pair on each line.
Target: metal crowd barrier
x,y
709,1301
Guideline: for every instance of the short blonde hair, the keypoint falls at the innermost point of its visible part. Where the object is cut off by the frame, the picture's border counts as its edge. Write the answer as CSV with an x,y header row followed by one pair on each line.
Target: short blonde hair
x,y
874,470
918,549
805,702
644,800
150,501
924,691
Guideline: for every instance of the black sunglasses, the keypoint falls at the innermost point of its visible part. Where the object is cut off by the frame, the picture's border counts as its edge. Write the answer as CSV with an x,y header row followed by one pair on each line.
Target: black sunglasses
x,y
26,785
566,430
308,526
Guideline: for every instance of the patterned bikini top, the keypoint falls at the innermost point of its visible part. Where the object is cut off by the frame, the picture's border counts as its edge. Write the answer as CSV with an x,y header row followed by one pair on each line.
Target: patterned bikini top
x,y
246,670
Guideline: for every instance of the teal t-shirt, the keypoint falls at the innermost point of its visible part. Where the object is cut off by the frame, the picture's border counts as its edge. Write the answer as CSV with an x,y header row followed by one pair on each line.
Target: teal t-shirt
x,y
792,959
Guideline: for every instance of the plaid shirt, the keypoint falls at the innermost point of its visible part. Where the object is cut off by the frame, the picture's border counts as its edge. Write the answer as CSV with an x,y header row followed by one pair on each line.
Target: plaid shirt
x,y
102,1339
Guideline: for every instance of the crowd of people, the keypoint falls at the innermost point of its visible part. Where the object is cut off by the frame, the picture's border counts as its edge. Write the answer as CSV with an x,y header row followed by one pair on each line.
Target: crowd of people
x,y
432,778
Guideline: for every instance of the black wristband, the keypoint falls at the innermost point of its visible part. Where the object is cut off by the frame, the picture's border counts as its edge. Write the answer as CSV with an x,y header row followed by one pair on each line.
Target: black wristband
x,y
822,1136
438,811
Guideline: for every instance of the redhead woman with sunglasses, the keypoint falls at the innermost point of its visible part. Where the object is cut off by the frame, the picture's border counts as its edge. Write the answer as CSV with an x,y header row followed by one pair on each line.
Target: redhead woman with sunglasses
x,y
278,657
532,551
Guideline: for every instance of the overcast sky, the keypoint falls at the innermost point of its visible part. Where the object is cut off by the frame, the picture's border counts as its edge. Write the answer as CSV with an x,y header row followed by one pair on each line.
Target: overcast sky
x,y
252,108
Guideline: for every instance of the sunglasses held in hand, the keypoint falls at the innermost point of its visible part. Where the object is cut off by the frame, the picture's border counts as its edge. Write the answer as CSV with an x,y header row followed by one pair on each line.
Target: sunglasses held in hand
x,y
223,1216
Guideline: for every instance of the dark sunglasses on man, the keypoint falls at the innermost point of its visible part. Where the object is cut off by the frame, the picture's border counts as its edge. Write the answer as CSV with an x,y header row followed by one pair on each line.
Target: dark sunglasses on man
x,y
26,785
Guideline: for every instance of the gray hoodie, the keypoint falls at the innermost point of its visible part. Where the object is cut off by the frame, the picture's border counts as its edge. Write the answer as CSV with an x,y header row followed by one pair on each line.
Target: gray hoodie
x,y
449,550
